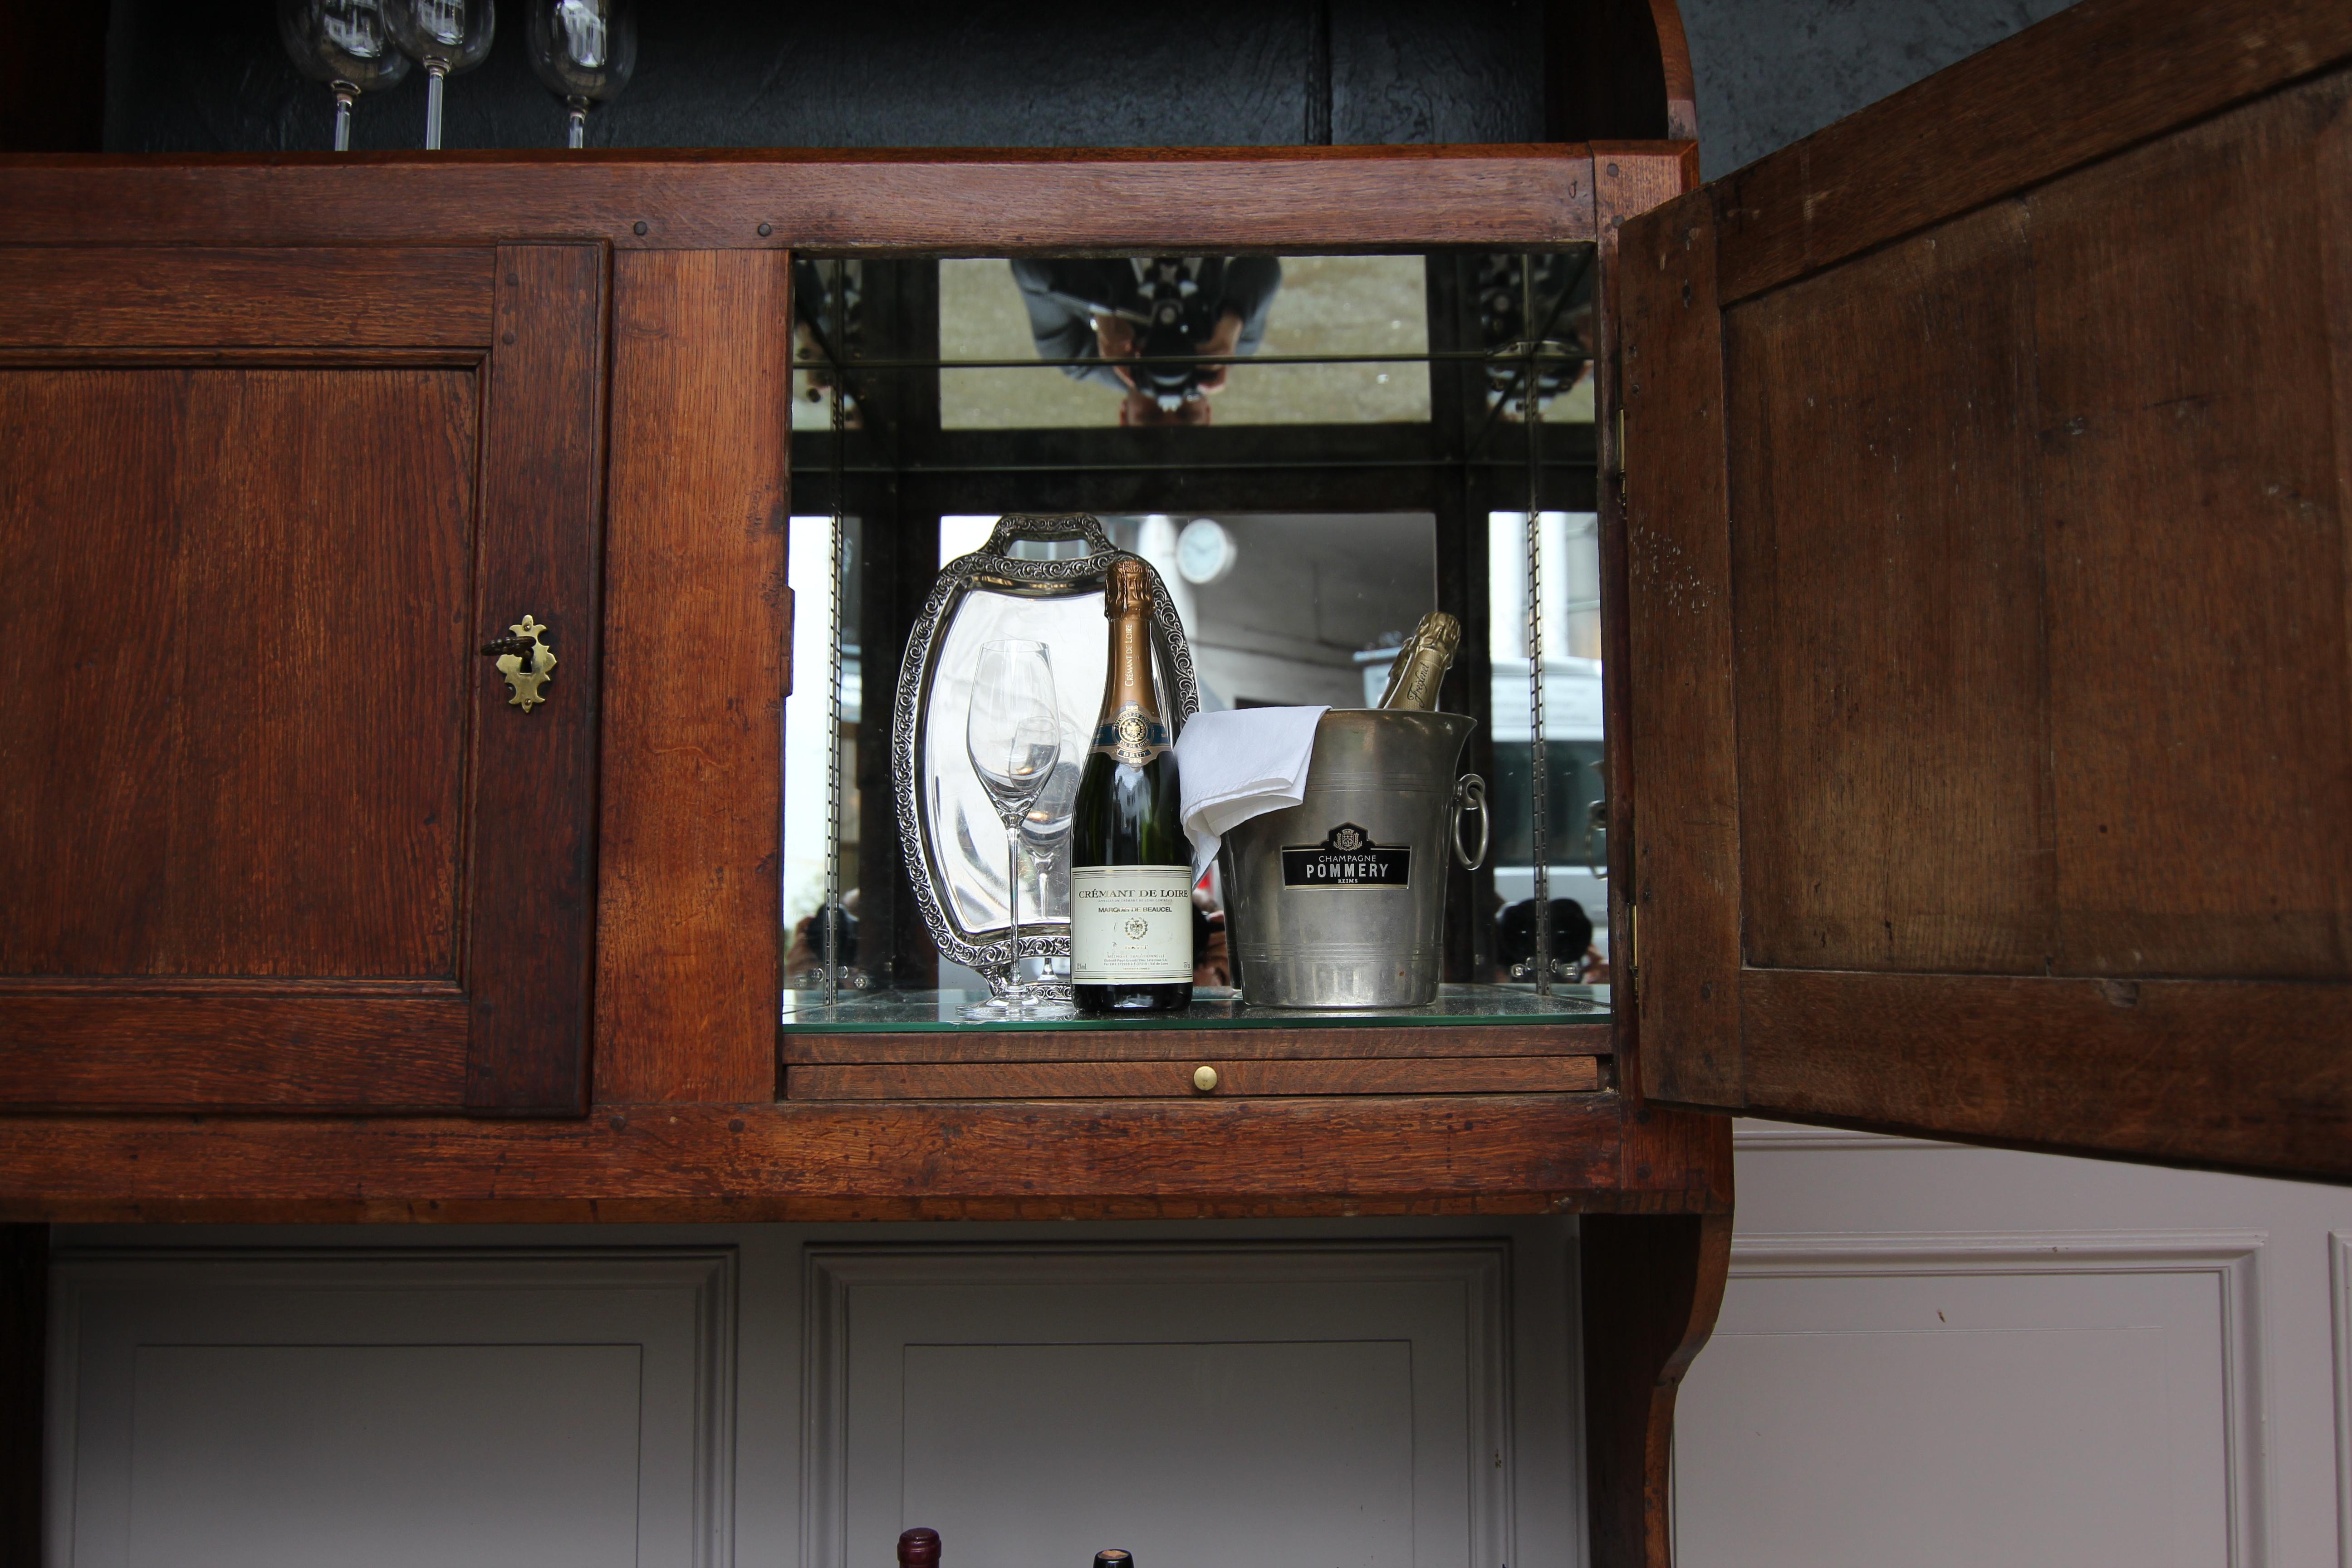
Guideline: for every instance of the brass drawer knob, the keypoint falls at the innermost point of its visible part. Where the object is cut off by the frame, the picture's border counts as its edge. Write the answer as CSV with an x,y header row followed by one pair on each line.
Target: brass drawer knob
x,y
1204,1080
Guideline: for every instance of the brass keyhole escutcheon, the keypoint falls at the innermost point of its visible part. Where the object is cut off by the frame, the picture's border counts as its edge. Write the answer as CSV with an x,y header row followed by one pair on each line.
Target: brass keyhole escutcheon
x,y
526,661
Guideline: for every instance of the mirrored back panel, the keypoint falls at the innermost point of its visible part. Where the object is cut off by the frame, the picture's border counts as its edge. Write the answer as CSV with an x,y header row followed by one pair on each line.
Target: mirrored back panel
x,y
1312,451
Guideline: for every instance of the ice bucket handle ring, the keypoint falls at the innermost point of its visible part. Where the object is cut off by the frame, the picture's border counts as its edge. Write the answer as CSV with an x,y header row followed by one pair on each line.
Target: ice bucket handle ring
x,y
1470,794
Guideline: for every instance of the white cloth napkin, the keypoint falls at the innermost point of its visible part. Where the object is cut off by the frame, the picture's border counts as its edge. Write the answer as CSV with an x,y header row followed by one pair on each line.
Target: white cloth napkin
x,y
1239,765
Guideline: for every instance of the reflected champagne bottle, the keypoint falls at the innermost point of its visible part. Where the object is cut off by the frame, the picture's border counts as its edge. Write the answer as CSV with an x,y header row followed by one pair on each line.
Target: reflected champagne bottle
x,y
1131,864
1422,663
1114,1558
919,1548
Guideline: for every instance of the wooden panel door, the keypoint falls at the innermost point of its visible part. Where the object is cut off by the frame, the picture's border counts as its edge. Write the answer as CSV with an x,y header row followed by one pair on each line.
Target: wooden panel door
x,y
271,833
1989,576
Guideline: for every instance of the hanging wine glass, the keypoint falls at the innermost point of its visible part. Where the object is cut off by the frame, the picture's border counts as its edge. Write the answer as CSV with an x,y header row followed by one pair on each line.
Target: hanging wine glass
x,y
446,38
344,43
583,50
1014,735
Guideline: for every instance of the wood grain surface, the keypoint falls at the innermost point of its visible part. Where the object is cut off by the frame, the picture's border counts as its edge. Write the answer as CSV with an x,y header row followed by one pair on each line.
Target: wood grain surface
x,y
1660,1145
363,1048
1197,1045
1165,1079
2200,549
532,881
2091,81
1107,1159
950,202
151,296
238,646
2244,1075
1650,1290
689,953
1681,80
1892,675
1682,781
232,643
2029,617
2044,664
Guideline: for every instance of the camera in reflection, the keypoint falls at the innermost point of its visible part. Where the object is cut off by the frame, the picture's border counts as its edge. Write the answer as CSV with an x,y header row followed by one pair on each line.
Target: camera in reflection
x,y
1161,329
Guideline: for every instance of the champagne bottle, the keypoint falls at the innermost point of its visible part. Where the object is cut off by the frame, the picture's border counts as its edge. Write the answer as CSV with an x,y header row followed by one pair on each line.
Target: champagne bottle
x,y
1131,864
1421,665
1114,1558
919,1548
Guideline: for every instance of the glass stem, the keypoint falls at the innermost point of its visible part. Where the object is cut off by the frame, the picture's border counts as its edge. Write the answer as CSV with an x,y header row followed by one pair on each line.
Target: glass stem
x,y
345,93
577,112
1014,995
434,73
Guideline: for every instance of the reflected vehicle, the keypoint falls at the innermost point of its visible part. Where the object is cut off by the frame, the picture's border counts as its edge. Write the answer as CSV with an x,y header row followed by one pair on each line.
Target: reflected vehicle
x,y
1142,320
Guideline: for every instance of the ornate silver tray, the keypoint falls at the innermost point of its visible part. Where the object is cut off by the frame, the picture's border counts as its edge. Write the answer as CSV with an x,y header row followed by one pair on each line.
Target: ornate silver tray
x,y
954,839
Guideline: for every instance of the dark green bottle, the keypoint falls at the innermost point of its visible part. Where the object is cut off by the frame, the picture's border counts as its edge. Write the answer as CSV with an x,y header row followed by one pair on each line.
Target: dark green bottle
x,y
1131,864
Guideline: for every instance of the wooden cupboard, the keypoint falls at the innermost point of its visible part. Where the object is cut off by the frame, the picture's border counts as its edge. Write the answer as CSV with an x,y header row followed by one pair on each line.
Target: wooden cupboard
x,y
1973,489
271,847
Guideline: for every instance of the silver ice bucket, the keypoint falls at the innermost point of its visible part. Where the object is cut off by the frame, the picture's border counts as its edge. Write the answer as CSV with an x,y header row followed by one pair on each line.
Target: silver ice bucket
x,y
1339,901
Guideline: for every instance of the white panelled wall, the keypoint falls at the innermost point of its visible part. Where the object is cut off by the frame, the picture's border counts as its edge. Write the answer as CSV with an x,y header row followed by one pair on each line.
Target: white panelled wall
x,y
1934,1356
1927,1355
1369,1393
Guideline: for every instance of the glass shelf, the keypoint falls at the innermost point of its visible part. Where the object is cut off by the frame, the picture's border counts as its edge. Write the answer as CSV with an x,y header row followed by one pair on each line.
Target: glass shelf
x,y
942,1012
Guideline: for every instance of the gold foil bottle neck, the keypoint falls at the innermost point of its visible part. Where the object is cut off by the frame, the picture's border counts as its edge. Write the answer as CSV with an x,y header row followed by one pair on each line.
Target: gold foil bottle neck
x,y
1128,588
1422,663
1440,631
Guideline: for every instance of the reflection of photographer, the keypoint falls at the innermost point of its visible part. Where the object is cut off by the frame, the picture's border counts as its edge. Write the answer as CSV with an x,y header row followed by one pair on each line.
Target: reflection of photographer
x,y
1142,320
1574,958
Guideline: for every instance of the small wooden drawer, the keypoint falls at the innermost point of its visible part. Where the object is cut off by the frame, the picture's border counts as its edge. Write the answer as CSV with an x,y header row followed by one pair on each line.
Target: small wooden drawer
x,y
1186,1078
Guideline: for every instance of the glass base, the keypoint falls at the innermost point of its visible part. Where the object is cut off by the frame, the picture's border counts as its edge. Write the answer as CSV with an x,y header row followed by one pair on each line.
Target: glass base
x,y
1024,1007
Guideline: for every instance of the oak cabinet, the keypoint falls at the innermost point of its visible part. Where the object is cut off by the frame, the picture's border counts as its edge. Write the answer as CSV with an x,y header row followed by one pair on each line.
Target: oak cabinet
x,y
1973,525
1991,753
271,842
1973,480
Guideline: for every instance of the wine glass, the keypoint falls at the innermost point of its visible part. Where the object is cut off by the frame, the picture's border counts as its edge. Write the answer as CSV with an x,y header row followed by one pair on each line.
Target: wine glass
x,y
1014,735
1045,824
445,36
344,43
583,50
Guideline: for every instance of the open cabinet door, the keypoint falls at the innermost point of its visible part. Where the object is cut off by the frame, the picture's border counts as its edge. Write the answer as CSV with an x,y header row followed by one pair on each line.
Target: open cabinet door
x,y
1987,465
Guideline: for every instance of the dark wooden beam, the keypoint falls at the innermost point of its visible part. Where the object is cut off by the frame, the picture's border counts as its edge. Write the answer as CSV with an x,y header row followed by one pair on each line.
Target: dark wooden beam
x,y
948,203
1007,1160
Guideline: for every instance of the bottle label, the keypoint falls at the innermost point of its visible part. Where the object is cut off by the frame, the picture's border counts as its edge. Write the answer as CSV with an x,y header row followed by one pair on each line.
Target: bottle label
x,y
1133,737
1347,858
1423,669
1131,925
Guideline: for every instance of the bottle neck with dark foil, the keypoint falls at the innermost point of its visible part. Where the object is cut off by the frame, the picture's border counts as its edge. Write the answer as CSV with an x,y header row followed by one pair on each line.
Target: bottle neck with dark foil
x,y
1130,728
